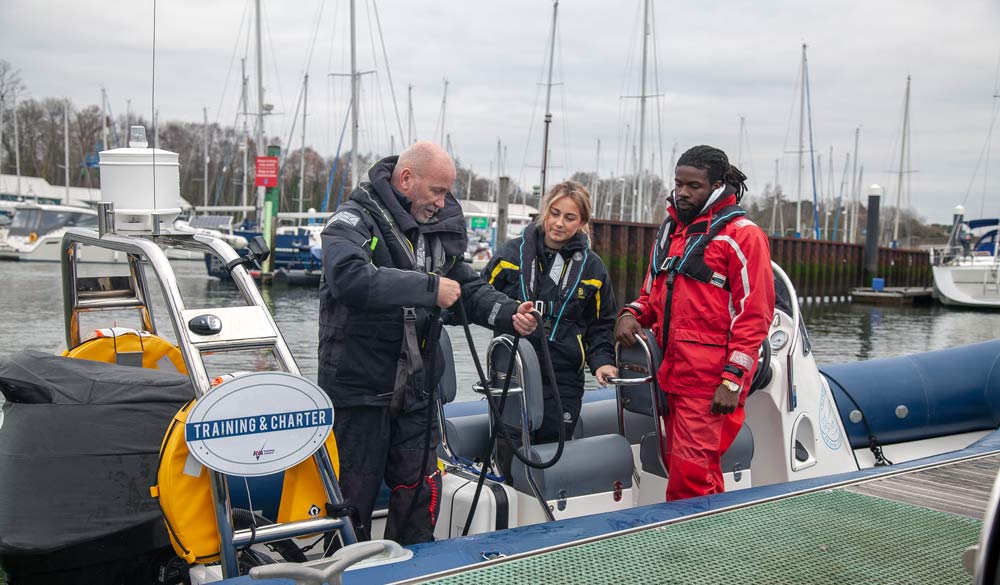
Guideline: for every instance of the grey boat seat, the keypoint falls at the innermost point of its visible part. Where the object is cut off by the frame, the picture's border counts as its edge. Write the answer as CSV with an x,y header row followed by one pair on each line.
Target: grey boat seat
x,y
601,418
590,465
736,458
468,437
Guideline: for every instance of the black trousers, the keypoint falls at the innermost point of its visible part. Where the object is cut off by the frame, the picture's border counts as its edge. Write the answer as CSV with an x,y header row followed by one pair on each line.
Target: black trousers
x,y
374,446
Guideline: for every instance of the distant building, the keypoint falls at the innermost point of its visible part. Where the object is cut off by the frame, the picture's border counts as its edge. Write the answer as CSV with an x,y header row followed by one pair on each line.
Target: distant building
x,y
481,217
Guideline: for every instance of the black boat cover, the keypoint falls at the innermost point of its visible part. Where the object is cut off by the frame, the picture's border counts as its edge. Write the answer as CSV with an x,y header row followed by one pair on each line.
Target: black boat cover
x,y
79,445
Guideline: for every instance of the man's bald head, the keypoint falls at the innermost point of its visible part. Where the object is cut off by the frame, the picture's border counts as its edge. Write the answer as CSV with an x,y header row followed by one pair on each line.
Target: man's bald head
x,y
424,174
422,157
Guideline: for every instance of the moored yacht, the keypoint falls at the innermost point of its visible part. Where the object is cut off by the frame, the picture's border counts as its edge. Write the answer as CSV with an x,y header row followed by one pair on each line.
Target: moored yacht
x,y
967,271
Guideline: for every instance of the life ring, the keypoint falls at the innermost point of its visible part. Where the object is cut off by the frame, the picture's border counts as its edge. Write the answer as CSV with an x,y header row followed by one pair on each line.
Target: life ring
x,y
122,345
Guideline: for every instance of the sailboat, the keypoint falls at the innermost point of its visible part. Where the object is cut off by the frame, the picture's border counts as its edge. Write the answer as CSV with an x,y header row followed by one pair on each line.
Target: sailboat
x,y
967,270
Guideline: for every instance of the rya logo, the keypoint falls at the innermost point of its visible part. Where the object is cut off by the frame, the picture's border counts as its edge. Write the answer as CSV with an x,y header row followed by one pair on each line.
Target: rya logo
x,y
257,454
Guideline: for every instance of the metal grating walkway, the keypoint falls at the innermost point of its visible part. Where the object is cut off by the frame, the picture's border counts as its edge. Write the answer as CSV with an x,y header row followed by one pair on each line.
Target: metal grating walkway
x,y
827,537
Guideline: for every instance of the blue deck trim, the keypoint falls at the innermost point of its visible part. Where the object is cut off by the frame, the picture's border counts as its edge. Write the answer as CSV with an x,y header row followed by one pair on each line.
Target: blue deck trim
x,y
460,552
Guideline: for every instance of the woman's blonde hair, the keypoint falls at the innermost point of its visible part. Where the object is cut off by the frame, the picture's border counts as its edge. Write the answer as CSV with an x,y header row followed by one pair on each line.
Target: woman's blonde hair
x,y
577,193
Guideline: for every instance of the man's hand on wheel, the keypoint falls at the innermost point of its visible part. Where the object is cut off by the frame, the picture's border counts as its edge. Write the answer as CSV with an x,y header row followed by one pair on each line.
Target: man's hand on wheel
x,y
448,292
524,323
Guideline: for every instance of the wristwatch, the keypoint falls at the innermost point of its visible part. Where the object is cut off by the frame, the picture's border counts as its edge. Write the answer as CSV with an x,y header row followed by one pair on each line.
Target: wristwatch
x,y
732,386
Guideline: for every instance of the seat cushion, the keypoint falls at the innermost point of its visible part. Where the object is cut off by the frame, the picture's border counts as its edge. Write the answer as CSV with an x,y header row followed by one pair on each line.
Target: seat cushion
x,y
469,436
588,466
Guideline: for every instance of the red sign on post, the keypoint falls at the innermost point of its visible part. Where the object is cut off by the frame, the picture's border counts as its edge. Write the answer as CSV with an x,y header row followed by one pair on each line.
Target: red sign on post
x,y
267,171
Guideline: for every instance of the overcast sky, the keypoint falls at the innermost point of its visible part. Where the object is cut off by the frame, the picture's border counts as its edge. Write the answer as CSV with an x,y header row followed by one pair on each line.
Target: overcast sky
x,y
714,61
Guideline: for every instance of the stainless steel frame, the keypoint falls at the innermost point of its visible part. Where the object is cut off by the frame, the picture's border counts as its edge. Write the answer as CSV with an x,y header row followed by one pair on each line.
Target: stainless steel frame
x,y
654,398
518,393
82,295
794,339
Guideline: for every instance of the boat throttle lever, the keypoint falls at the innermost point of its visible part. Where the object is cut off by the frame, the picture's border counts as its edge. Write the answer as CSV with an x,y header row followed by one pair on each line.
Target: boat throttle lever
x,y
257,253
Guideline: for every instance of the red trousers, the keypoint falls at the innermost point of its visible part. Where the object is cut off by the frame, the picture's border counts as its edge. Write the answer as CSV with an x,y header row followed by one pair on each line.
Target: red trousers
x,y
694,440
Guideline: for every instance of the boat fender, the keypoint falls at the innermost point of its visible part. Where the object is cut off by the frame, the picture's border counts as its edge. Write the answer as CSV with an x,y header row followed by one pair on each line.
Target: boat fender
x,y
184,492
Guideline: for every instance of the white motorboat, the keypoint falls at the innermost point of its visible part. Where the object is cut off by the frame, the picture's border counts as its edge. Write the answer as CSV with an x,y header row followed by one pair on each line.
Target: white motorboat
x,y
36,231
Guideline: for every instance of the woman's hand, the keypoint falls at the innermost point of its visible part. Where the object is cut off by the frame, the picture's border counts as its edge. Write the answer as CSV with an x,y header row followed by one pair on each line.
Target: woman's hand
x,y
605,372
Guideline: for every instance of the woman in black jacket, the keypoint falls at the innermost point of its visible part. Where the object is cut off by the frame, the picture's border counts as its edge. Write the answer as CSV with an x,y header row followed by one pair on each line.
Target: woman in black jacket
x,y
552,262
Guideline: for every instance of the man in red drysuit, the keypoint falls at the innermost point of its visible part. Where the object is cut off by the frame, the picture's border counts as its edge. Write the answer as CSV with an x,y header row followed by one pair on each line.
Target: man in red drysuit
x,y
709,299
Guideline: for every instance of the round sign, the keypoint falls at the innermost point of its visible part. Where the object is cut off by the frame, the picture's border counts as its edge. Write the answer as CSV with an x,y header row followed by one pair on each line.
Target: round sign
x,y
259,424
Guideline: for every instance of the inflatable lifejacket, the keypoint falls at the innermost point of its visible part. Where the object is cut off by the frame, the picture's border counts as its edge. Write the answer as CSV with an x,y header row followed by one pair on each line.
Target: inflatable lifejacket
x,y
184,492
129,347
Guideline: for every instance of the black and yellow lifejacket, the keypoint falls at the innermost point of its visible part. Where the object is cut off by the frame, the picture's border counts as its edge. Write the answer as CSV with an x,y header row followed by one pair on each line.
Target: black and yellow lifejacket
x,y
184,492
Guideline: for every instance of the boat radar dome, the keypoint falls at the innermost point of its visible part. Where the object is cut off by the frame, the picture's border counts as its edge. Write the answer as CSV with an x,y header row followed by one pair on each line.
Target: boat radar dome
x,y
143,184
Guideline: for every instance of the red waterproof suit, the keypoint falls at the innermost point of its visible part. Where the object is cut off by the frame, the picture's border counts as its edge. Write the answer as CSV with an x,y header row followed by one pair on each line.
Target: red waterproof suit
x,y
711,325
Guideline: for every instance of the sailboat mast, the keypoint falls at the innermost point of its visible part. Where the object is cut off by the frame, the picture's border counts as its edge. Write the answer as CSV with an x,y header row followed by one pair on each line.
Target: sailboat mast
x,y
594,180
246,136
104,120
409,115
204,159
812,148
1,130
17,145
444,105
840,197
852,218
355,80
774,204
260,114
66,147
302,152
802,146
822,197
642,113
548,99
857,209
902,159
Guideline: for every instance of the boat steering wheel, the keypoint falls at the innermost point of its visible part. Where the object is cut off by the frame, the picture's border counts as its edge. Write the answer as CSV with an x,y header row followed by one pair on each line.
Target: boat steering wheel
x,y
762,377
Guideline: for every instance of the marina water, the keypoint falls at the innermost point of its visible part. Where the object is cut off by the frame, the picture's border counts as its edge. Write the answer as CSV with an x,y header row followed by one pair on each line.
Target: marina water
x,y
31,318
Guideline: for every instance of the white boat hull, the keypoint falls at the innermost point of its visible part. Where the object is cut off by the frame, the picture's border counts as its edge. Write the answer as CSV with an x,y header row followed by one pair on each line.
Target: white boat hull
x,y
46,249
972,283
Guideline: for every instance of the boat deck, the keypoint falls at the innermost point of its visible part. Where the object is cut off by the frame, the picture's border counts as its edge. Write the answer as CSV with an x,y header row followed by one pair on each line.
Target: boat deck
x,y
910,527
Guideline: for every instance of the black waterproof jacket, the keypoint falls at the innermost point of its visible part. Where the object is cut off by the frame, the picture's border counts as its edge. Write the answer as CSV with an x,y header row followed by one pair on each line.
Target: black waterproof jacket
x,y
579,311
370,273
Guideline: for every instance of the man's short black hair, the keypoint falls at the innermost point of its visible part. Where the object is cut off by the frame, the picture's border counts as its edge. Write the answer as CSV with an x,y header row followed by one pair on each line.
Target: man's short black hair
x,y
716,163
